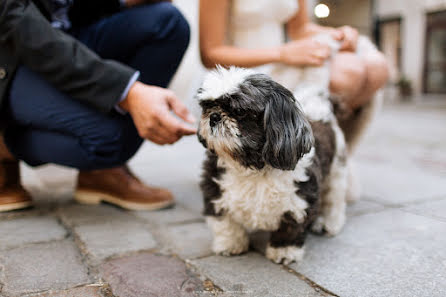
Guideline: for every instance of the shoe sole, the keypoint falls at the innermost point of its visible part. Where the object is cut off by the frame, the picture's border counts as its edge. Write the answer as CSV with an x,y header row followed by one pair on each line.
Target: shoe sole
x,y
95,198
15,206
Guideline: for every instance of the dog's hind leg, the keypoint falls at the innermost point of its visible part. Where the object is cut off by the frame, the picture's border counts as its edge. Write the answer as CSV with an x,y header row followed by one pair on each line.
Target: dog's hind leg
x,y
230,238
354,185
332,217
286,245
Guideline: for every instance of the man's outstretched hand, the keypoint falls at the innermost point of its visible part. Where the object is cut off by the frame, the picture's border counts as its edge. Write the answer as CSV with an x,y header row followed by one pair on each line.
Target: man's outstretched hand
x,y
150,108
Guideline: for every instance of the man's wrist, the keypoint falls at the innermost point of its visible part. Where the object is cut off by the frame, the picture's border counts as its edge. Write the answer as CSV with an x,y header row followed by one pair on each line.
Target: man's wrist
x,y
126,103
125,93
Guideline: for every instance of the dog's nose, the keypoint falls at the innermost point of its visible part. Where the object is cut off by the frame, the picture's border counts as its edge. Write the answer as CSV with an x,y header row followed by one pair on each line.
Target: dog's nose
x,y
214,119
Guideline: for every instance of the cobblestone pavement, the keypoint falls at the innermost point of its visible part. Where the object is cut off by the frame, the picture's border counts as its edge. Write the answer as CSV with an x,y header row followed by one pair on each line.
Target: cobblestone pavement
x,y
393,243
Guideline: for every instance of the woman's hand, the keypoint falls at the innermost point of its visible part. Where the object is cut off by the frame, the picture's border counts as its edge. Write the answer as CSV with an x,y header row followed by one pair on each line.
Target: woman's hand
x,y
349,38
346,35
304,52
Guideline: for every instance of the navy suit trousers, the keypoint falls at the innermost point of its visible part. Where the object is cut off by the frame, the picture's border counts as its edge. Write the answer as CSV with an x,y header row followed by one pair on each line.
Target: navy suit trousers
x,y
46,126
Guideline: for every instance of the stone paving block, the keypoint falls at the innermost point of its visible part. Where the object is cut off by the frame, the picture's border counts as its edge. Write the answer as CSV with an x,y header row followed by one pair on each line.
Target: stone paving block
x,y
19,231
150,275
44,266
362,207
175,215
391,184
386,254
189,240
78,214
252,275
87,291
434,209
102,240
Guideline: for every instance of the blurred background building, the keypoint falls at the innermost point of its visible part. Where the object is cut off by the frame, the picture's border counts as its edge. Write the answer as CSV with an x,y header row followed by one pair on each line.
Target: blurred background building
x,y
411,33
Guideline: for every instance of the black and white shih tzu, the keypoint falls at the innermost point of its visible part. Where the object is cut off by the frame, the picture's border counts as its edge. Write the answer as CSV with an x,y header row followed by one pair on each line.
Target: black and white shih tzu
x,y
268,166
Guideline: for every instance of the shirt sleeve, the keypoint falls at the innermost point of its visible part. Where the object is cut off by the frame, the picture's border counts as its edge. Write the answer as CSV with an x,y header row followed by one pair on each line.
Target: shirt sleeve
x,y
126,92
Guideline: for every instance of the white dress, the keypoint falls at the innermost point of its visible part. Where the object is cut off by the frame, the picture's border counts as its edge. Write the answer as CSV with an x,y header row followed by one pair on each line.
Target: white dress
x,y
261,24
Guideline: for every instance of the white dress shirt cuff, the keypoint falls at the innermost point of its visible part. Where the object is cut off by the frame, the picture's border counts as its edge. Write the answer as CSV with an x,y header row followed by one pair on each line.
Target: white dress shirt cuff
x,y
132,80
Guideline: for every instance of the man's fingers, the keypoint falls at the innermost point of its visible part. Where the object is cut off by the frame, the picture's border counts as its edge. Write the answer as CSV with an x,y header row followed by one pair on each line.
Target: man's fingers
x,y
180,109
175,126
168,137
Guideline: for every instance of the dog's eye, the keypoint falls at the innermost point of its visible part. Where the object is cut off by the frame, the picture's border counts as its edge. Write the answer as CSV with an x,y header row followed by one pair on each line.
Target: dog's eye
x,y
239,112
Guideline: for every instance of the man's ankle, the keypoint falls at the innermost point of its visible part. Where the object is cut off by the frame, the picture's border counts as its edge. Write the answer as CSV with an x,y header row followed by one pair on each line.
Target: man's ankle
x,y
5,154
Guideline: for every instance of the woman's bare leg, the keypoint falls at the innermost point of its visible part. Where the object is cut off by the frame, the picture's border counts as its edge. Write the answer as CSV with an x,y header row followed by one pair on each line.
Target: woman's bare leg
x,y
355,79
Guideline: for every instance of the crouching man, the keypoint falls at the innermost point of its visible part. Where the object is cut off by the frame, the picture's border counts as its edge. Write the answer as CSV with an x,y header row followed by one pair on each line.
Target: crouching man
x,y
82,83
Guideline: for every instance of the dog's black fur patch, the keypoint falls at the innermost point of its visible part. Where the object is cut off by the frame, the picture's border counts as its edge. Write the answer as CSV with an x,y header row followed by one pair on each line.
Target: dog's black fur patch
x,y
210,189
325,144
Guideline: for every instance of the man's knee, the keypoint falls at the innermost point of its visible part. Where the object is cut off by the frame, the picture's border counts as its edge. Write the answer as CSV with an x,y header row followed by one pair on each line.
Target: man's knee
x,y
112,144
166,23
348,74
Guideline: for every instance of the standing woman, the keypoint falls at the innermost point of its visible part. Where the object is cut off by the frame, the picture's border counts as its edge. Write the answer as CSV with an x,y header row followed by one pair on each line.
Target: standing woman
x,y
249,33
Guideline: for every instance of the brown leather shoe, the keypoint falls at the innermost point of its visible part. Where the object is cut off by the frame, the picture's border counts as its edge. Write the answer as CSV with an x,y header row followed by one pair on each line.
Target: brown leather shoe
x,y
12,195
120,187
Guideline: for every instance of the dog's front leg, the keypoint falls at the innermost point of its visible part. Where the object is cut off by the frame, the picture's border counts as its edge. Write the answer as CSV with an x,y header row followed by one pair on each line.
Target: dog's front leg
x,y
230,238
287,243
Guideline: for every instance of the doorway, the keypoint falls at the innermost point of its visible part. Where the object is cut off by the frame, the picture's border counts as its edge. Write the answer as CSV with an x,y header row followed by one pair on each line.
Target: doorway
x,y
435,53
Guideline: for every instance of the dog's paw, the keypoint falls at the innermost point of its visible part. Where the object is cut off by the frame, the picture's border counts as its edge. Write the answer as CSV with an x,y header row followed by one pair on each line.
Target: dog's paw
x,y
318,226
230,246
284,255
333,224
329,226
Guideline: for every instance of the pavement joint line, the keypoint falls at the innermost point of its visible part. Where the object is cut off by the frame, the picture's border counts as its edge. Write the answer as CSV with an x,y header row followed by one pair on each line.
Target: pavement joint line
x,y
107,291
376,200
185,222
80,246
208,284
9,216
403,204
424,200
318,288
414,212
52,291
30,244
373,211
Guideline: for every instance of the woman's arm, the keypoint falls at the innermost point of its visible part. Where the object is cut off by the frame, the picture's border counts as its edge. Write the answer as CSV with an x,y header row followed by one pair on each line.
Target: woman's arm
x,y
214,50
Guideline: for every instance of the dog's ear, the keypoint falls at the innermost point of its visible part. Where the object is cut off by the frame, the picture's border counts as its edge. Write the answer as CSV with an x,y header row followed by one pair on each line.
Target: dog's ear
x,y
288,133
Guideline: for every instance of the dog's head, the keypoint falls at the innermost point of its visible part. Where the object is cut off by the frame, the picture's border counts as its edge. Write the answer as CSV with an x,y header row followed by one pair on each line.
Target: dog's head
x,y
252,119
